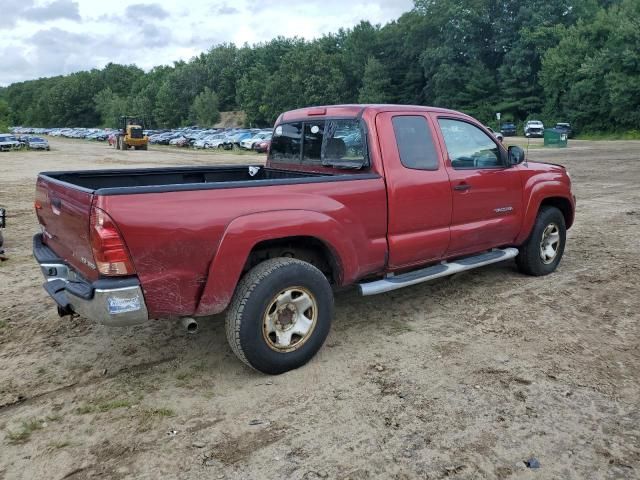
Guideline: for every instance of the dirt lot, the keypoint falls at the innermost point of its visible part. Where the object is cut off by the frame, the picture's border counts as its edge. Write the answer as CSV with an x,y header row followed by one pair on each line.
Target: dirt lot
x,y
463,378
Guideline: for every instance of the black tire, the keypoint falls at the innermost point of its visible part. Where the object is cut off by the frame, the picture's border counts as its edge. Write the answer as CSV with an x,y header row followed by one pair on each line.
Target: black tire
x,y
256,292
530,259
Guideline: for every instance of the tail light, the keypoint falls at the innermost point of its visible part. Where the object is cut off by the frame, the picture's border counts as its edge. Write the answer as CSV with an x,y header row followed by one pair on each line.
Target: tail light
x,y
109,251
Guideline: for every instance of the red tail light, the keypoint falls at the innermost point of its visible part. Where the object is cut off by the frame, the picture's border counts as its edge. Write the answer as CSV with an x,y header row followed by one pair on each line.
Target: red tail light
x,y
109,251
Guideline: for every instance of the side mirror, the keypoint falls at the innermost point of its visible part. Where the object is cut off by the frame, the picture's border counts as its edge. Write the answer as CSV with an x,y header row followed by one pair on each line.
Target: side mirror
x,y
516,155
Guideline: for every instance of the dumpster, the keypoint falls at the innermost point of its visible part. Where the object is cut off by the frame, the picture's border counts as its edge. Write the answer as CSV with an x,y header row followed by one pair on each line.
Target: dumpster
x,y
555,138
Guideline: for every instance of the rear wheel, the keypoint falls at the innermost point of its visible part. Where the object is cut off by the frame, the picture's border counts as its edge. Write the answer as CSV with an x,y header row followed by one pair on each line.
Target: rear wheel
x,y
542,252
280,315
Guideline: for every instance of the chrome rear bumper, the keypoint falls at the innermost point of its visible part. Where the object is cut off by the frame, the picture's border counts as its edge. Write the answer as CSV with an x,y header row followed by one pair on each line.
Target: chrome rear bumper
x,y
113,302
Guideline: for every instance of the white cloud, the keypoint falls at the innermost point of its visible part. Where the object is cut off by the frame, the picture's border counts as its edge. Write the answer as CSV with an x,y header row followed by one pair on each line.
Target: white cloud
x,y
51,37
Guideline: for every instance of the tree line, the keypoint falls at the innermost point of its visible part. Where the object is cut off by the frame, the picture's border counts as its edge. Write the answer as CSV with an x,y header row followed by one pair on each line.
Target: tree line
x,y
555,60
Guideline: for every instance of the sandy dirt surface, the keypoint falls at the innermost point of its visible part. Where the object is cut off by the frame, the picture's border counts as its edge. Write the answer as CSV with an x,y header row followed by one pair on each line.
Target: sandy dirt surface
x,y
463,378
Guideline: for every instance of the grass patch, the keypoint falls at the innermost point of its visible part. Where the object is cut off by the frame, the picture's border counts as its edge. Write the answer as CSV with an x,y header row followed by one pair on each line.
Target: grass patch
x,y
3,324
105,406
630,135
148,417
59,444
23,434
54,417
185,375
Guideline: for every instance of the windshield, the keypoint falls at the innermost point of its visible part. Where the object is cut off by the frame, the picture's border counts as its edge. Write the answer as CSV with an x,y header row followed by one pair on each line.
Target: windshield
x,y
333,143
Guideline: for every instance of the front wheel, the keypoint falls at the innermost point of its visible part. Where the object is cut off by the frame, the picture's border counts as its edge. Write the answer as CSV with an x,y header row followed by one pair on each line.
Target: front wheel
x,y
280,315
542,252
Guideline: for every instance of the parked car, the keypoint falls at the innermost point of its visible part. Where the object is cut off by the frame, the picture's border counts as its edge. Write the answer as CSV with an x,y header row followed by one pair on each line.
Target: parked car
x,y
565,127
534,128
37,143
269,243
498,135
248,143
508,129
9,142
262,146
235,137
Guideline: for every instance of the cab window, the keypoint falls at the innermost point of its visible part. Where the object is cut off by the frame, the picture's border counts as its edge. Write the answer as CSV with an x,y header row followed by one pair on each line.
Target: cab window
x,y
468,146
415,143
336,143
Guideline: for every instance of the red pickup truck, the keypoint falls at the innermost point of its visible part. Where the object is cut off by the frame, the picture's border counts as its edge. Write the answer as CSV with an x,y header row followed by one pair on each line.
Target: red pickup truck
x,y
378,196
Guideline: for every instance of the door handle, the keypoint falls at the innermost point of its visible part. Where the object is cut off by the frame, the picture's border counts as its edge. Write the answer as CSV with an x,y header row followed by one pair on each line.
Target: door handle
x,y
463,187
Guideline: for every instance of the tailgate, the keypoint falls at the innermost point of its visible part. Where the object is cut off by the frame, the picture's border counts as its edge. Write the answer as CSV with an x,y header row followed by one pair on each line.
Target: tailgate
x,y
64,212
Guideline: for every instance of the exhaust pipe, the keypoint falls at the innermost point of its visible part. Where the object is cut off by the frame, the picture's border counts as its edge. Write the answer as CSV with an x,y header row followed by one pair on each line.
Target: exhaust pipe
x,y
190,324
64,311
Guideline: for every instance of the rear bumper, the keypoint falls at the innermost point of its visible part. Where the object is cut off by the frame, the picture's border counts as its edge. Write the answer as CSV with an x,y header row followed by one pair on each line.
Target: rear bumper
x,y
113,302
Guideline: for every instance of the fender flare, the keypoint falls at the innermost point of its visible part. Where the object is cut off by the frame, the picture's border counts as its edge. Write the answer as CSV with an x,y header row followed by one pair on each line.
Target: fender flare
x,y
243,233
537,195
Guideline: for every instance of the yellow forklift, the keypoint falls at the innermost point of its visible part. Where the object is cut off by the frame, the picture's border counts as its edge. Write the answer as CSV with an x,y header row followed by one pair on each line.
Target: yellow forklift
x,y
131,134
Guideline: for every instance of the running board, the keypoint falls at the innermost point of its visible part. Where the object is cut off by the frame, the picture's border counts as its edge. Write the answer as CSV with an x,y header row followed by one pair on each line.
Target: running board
x,y
394,282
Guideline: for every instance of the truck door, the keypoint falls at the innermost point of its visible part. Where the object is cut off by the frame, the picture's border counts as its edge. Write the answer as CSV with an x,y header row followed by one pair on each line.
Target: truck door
x,y
418,191
487,193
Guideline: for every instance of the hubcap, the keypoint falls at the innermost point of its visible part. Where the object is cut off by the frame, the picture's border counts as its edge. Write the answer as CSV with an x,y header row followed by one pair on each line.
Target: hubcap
x,y
290,319
550,243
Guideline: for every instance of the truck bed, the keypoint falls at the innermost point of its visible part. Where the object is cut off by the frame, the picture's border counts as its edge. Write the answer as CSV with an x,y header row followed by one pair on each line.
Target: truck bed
x,y
149,180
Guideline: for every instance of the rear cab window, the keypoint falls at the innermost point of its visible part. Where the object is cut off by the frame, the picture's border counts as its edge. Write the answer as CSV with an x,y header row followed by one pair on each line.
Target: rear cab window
x,y
338,143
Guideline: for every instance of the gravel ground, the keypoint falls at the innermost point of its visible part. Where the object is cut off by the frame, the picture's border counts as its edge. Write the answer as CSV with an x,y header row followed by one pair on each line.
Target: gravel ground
x,y
466,377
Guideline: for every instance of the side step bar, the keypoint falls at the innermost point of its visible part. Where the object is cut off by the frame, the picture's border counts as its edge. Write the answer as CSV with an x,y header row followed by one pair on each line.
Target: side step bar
x,y
394,282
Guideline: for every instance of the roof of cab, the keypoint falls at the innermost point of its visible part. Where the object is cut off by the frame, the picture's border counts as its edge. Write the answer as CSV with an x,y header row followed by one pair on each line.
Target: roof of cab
x,y
354,110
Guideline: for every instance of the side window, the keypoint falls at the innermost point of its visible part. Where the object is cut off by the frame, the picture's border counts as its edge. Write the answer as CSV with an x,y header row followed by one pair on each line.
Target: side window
x,y
415,143
286,143
468,146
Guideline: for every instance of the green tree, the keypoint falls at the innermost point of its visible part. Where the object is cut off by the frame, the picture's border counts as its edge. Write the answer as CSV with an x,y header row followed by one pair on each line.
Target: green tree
x,y
376,84
4,115
592,76
204,110
111,107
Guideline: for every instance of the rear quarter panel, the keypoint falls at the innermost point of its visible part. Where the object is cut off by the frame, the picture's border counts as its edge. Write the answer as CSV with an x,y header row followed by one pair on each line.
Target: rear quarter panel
x,y
189,247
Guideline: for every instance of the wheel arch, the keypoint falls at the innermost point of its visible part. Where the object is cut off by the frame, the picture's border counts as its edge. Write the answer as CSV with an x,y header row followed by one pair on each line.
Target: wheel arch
x,y
312,249
249,237
561,204
538,200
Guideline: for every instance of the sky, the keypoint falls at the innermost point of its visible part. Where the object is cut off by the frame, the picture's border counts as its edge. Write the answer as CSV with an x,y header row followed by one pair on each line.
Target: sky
x,y
42,38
